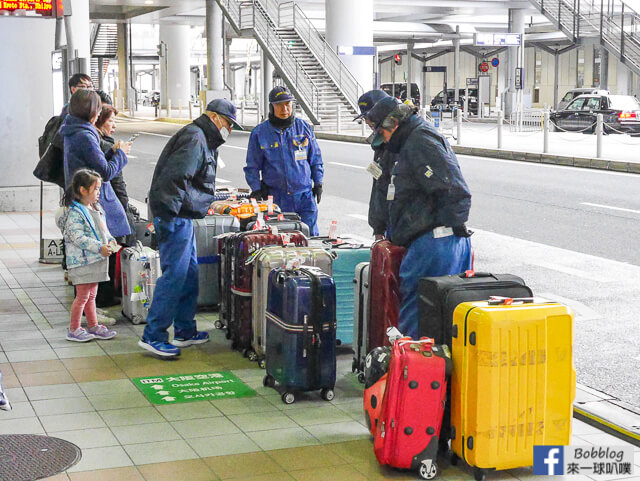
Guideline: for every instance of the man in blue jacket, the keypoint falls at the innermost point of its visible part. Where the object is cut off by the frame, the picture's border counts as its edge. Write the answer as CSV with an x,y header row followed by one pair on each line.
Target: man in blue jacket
x,y
284,150
182,189
429,202
380,168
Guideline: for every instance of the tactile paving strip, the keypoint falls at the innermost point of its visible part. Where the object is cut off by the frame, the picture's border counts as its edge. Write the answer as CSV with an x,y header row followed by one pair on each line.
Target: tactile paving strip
x,y
27,457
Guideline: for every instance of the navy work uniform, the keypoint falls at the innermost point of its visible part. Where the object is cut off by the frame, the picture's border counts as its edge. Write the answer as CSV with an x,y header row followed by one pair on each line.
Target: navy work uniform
x,y
429,203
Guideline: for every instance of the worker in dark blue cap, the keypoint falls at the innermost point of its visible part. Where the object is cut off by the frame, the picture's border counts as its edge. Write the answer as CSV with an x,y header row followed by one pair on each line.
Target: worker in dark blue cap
x,y
429,203
182,189
380,168
284,160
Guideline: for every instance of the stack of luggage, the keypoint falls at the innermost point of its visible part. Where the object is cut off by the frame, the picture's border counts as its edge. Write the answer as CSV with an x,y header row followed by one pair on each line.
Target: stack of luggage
x,y
492,377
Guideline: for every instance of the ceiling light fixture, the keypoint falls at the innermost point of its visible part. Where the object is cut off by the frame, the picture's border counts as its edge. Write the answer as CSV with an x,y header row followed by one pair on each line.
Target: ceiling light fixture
x,y
148,2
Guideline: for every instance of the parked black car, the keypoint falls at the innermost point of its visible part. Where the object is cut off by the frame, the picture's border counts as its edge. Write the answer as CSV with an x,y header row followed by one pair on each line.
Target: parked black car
x,y
400,91
620,113
438,100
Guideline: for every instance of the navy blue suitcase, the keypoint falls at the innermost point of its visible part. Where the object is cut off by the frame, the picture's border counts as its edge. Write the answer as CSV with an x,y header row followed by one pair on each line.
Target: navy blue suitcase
x,y
301,332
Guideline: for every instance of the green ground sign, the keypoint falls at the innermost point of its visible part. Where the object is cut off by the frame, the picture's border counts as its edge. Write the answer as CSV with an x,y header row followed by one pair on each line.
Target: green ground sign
x,y
185,388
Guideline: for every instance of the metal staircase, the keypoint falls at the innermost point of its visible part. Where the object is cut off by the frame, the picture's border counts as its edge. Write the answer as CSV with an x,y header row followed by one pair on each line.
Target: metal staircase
x,y
612,22
104,44
314,73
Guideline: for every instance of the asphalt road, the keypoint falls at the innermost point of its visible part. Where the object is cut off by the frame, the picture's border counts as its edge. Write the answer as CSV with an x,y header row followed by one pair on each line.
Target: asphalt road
x,y
570,233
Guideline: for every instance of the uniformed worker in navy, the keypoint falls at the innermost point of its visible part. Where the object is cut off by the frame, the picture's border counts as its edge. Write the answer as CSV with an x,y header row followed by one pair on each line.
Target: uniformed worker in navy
x,y
429,202
284,160
380,168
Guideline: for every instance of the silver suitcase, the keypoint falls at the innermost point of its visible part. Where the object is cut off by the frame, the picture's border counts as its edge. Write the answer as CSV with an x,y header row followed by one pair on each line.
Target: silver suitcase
x,y
208,256
265,260
140,269
361,317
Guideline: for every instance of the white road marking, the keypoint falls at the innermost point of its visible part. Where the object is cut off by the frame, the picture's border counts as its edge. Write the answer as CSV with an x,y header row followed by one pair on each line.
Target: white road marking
x,y
222,181
359,217
583,312
234,147
344,142
132,156
571,271
154,134
610,207
348,165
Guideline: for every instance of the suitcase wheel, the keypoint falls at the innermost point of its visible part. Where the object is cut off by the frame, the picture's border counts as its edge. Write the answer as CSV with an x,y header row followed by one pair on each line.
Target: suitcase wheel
x,y
338,342
479,474
218,324
361,377
327,394
137,319
428,471
251,355
288,397
268,381
261,364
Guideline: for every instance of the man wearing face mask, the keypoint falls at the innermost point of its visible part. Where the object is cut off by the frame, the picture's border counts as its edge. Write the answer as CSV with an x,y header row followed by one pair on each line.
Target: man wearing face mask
x,y
284,151
182,189
380,168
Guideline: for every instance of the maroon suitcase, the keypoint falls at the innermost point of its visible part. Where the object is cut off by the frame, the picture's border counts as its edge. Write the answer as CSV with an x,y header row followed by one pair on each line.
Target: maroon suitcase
x,y
384,286
244,245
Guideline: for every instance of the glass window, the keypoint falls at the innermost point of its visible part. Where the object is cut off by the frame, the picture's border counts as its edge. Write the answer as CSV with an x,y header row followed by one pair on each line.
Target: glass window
x,y
592,103
538,70
568,97
577,104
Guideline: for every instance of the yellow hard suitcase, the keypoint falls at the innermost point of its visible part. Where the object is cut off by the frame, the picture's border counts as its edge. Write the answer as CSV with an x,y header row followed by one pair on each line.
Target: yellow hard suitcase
x,y
513,381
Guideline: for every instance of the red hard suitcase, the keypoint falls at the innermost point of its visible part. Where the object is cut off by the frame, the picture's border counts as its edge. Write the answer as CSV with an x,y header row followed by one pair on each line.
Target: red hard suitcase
x,y
413,406
244,245
384,284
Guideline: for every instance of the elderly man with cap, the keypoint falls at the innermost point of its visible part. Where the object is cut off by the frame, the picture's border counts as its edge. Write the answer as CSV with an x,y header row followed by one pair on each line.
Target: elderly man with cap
x,y
182,189
429,202
284,160
380,168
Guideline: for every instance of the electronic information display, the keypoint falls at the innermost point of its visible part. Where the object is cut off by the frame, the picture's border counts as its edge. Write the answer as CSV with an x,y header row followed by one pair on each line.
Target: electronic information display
x,y
46,8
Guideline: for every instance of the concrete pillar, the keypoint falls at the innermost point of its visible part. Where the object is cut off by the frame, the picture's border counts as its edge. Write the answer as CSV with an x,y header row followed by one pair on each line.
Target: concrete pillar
x,y
267,81
27,102
123,70
515,59
456,66
624,79
556,63
604,68
78,32
350,24
100,73
177,39
215,50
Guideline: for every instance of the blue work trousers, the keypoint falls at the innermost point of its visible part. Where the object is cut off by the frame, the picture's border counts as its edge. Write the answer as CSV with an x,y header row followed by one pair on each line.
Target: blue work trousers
x,y
175,298
303,203
428,257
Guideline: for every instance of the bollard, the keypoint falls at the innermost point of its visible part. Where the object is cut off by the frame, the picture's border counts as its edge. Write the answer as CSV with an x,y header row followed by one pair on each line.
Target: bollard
x,y
168,108
338,119
363,129
545,131
500,119
459,122
179,108
599,134
190,110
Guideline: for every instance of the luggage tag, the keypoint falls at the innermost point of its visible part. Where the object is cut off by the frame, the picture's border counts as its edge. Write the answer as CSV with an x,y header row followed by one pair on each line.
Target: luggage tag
x,y
151,228
391,191
375,170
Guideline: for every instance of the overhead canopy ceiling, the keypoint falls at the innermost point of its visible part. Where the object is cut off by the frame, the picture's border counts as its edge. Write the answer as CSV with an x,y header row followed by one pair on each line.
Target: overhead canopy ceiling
x,y
395,21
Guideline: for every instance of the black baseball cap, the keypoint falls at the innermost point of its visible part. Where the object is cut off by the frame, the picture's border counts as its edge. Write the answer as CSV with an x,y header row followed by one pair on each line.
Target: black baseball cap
x,y
280,94
381,110
368,99
225,108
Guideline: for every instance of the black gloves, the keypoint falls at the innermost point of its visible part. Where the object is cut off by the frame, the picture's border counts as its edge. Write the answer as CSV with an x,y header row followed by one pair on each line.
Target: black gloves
x,y
257,195
317,191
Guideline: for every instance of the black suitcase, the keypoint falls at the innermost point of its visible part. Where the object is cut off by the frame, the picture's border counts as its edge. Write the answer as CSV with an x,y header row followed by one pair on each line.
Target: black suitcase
x,y
439,296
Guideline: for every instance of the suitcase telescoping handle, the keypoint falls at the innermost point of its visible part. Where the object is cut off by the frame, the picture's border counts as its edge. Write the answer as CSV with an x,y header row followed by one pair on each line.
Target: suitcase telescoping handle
x,y
507,301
